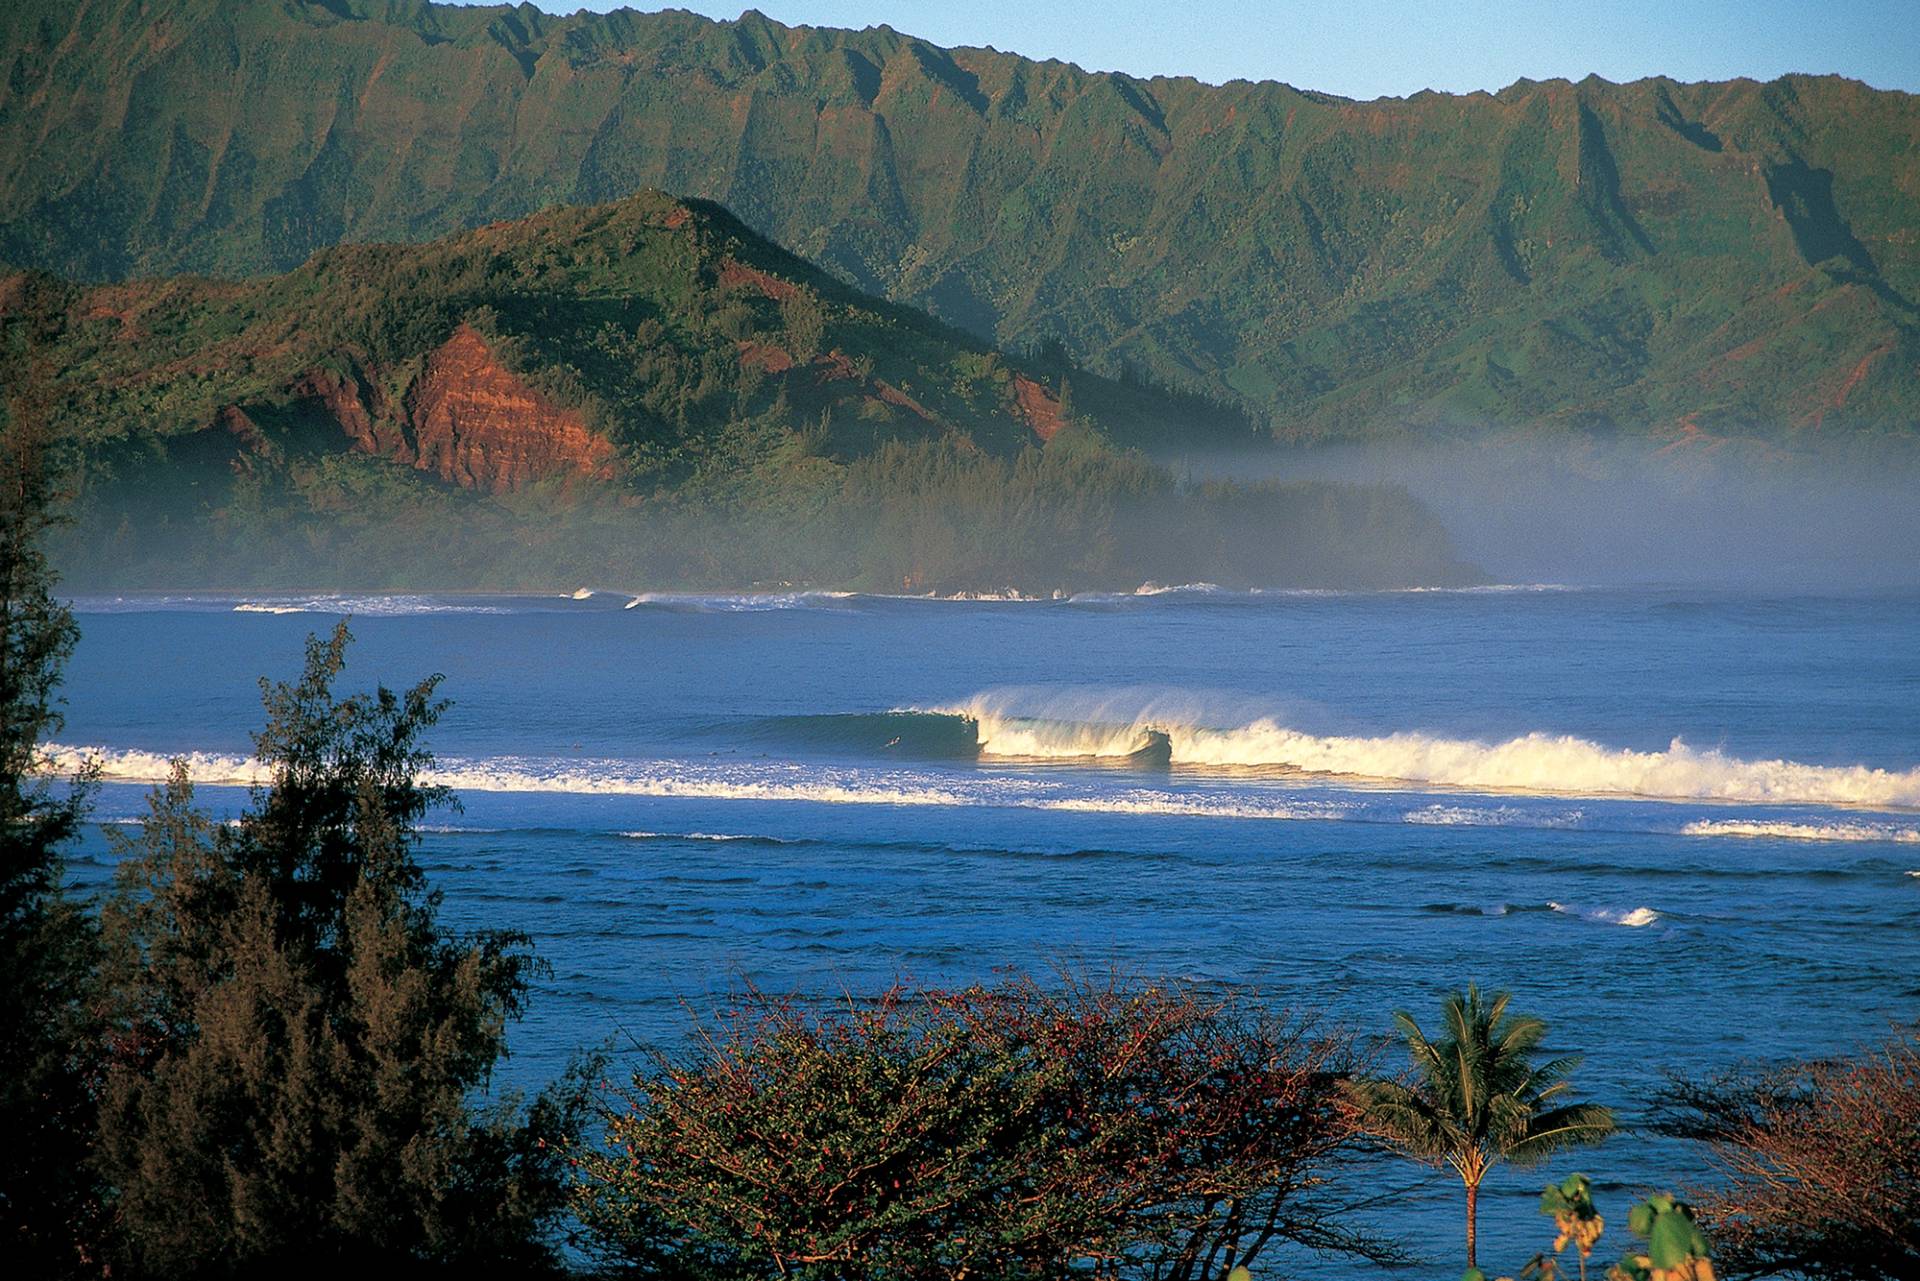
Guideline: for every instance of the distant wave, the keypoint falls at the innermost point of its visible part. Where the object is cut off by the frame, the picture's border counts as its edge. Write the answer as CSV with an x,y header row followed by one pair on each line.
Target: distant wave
x,y
1213,593
375,606
1540,763
397,604
737,602
1839,831
724,838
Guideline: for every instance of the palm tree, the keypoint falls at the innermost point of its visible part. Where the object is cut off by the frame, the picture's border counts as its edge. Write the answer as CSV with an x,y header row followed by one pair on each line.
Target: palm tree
x,y
1477,1098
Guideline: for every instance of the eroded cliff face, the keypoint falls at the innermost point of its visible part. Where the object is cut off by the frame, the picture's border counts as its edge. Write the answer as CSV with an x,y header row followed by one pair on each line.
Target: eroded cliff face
x,y
477,425
1039,408
467,419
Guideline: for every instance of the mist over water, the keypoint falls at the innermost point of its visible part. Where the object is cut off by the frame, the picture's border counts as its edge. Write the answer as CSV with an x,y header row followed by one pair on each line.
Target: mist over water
x,y
1810,515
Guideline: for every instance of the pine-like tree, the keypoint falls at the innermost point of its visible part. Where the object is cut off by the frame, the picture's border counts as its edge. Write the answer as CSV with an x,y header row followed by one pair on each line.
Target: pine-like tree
x,y
47,941
300,1042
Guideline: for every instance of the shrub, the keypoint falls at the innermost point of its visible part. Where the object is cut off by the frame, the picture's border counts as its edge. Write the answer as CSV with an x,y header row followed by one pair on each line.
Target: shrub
x,y
1821,1163
1008,1131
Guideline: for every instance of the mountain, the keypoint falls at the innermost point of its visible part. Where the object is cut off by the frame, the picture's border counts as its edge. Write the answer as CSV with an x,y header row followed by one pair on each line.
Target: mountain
x,y
1691,261
630,339
643,389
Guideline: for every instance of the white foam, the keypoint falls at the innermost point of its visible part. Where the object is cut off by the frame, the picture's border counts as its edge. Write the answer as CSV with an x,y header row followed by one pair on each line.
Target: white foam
x,y
1496,816
1757,829
990,597
120,765
1177,589
737,602
375,605
734,782
1634,918
1196,805
1539,762
720,837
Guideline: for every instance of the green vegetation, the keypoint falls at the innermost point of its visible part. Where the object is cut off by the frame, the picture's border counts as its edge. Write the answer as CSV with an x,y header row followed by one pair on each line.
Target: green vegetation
x,y
1676,1248
1478,1098
298,1054
629,388
1094,1128
1693,260
48,942
1569,1204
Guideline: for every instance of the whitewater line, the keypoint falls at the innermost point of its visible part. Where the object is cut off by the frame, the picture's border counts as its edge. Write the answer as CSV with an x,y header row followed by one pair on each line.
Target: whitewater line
x,y
842,786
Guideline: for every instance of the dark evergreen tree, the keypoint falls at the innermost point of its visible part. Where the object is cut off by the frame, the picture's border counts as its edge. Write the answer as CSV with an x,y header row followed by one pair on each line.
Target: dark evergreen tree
x,y
302,1045
47,942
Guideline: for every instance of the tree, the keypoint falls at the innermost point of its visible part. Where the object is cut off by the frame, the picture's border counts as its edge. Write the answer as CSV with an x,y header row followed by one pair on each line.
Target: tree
x,y
297,1041
47,942
1820,1163
1477,1097
1012,1131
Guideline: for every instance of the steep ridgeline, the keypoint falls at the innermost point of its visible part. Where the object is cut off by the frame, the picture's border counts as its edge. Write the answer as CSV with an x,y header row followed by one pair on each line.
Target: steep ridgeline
x,y
1690,261
646,387
630,340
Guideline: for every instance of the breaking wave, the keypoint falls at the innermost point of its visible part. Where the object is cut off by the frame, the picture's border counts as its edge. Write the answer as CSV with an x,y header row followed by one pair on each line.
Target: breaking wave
x,y
1539,763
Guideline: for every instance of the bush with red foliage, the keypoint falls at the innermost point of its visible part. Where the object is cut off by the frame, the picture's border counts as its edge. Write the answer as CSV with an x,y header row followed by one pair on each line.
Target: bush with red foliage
x,y
1821,1163
1007,1131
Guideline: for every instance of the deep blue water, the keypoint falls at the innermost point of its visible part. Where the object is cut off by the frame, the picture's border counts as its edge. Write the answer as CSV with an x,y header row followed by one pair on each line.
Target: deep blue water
x,y
1353,802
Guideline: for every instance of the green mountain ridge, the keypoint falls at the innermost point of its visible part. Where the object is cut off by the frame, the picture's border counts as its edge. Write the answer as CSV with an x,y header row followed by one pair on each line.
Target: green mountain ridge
x,y
641,391
1691,261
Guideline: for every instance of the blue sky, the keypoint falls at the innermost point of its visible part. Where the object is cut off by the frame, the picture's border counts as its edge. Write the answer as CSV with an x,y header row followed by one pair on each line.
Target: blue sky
x,y
1369,48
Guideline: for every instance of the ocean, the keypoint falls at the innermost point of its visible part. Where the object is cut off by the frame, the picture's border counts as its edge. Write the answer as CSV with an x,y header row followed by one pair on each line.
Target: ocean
x,y
1681,825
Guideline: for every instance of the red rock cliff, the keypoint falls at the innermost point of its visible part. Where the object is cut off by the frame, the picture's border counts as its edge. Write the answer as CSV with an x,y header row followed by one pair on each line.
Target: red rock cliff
x,y
1038,407
476,424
